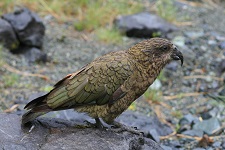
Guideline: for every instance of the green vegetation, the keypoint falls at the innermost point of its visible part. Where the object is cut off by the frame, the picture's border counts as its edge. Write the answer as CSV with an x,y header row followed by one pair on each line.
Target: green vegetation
x,y
166,10
177,114
162,76
108,35
46,88
133,106
101,13
92,15
10,79
153,95
98,16
156,34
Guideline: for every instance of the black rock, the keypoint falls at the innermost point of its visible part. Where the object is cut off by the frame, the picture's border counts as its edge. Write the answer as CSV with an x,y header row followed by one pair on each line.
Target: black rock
x,y
7,35
143,25
61,134
129,118
35,55
28,27
144,123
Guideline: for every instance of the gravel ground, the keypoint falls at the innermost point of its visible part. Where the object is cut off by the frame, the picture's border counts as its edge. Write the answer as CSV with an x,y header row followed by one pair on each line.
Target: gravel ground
x,y
183,89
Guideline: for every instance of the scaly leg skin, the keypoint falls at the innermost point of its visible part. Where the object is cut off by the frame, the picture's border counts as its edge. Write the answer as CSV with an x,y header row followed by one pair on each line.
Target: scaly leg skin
x,y
116,127
98,124
121,127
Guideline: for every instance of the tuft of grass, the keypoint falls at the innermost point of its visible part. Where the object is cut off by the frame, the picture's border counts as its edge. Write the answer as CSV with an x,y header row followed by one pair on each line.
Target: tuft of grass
x,y
109,35
46,88
162,76
10,79
88,15
6,6
98,16
156,34
101,13
177,114
133,106
166,10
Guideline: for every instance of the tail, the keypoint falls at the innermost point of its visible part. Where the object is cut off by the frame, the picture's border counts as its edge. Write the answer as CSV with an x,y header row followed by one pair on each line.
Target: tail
x,y
36,107
30,116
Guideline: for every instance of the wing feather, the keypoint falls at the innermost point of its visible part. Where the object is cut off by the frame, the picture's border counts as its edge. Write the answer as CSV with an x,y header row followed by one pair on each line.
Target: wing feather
x,y
97,83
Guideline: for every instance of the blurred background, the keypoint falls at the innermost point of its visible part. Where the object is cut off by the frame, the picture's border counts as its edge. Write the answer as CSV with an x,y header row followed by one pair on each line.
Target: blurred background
x,y
44,40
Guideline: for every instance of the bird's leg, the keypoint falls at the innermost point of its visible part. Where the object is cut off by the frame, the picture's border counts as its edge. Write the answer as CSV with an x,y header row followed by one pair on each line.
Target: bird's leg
x,y
119,127
98,124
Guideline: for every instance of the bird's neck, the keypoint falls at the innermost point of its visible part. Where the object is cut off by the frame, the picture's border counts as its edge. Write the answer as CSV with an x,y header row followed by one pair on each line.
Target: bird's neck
x,y
151,69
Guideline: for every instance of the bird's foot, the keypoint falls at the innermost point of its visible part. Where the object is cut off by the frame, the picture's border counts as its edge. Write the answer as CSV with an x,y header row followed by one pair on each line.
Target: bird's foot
x,y
98,124
118,127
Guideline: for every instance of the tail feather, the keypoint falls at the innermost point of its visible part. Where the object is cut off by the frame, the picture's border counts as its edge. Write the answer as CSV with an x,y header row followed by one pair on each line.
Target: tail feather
x,y
36,107
36,102
30,116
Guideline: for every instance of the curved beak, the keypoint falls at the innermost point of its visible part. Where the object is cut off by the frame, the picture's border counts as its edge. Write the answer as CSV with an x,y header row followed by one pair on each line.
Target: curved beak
x,y
177,55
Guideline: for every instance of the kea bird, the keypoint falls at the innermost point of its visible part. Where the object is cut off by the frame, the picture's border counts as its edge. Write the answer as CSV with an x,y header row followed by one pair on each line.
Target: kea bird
x,y
107,86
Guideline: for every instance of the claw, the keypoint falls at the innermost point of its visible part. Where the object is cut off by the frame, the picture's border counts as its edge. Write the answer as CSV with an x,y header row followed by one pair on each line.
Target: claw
x,y
118,127
98,124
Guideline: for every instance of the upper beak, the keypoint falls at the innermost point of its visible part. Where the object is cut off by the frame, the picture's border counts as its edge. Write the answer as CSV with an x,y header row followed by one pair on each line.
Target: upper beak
x,y
177,55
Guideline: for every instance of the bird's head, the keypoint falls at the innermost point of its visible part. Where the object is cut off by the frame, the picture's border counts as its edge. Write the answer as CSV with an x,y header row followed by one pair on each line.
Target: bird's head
x,y
156,50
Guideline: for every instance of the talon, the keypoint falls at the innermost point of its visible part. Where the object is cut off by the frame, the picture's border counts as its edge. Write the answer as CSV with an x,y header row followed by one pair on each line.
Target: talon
x,y
93,125
135,128
121,128
114,127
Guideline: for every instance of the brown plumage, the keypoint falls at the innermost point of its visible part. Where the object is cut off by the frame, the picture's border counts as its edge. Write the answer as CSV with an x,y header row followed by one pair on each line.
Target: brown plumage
x,y
107,86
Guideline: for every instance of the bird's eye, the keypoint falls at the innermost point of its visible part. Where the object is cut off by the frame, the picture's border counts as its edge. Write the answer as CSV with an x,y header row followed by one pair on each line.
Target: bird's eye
x,y
165,47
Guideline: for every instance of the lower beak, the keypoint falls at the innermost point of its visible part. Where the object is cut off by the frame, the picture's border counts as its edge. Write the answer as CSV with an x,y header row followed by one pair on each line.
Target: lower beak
x,y
177,55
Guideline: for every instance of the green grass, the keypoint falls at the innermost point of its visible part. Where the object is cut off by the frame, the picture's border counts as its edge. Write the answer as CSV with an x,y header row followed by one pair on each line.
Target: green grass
x,y
46,88
177,114
98,16
166,9
10,79
162,76
101,13
109,35
133,106
153,95
90,15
